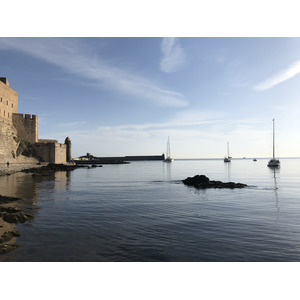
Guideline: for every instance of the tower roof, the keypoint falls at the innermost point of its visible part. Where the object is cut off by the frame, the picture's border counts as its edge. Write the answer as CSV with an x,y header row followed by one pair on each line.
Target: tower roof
x,y
4,80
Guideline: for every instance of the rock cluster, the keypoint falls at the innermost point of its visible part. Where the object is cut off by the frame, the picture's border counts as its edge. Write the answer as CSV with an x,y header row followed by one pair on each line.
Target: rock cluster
x,y
5,199
51,167
203,182
10,215
13,215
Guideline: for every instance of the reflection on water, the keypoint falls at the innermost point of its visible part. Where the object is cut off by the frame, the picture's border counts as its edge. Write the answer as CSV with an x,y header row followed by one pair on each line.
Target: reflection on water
x,y
26,186
227,170
167,170
275,171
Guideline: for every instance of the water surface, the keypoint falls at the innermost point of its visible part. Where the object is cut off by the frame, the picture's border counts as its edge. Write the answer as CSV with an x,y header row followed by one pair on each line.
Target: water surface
x,y
142,212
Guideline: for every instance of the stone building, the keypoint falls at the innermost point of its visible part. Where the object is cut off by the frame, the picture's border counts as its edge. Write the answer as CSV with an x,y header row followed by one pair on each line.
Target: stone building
x,y
19,133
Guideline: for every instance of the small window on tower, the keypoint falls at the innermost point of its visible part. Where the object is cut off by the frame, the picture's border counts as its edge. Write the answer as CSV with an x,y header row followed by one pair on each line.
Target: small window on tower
x,y
8,114
12,105
6,102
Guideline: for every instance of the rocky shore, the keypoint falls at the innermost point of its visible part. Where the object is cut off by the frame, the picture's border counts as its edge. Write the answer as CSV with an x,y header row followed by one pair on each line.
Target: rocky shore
x,y
203,182
49,168
11,212
10,215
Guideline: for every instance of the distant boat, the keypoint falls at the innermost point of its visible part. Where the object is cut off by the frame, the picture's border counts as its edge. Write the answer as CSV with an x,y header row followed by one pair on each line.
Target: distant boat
x,y
254,159
228,158
168,154
274,163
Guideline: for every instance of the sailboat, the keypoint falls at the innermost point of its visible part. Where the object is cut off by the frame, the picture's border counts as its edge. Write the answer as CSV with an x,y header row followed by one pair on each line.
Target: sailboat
x,y
228,158
274,163
168,154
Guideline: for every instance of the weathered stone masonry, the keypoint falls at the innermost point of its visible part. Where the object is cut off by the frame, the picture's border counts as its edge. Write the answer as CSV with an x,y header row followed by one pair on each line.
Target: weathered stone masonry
x,y
27,127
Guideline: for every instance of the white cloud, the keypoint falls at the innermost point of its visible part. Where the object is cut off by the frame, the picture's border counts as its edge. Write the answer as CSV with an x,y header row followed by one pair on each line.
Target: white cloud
x,y
75,58
282,76
72,124
173,56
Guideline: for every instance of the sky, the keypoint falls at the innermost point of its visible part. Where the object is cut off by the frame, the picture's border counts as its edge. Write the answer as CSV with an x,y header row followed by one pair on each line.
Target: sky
x,y
125,95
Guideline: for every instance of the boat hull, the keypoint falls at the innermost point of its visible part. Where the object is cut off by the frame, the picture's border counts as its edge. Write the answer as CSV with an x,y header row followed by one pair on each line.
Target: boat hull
x,y
168,160
274,163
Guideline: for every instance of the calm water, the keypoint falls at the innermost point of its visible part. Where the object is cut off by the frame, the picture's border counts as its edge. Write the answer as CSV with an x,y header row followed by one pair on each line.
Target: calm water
x,y
142,212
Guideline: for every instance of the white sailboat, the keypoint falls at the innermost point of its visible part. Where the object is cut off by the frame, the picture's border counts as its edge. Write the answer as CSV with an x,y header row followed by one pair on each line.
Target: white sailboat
x,y
228,158
274,163
168,153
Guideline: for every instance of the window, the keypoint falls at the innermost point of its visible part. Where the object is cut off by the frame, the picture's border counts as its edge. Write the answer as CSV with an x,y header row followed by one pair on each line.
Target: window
x,y
4,113
12,105
1,99
6,102
8,115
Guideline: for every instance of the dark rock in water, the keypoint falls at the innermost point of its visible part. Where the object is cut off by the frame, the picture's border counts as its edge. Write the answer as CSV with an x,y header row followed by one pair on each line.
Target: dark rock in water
x,y
19,217
203,182
51,167
6,199
9,210
8,235
7,248
197,179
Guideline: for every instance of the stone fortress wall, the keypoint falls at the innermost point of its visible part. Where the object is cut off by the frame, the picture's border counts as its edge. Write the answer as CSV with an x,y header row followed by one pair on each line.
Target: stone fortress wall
x,y
27,126
8,140
17,130
8,100
51,151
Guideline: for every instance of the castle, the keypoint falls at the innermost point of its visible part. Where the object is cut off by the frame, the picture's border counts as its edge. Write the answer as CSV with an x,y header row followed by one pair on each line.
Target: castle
x,y
19,140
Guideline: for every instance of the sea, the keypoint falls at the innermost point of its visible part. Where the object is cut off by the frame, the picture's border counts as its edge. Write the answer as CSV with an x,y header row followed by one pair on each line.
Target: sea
x,y
142,212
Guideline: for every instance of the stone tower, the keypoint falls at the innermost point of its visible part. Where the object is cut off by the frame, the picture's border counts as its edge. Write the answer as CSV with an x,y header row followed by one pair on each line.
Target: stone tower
x,y
68,150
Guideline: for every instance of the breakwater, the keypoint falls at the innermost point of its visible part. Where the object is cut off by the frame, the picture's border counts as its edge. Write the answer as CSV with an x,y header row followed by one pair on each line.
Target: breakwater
x,y
117,159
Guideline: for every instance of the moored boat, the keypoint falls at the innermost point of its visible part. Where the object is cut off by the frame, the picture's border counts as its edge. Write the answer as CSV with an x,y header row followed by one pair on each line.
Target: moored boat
x,y
274,163
168,158
228,157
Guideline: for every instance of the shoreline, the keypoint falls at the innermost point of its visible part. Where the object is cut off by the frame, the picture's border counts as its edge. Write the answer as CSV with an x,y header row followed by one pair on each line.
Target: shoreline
x,y
18,167
11,208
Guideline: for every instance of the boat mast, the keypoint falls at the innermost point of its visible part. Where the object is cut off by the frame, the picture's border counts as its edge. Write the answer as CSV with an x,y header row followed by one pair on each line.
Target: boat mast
x,y
168,148
228,149
273,139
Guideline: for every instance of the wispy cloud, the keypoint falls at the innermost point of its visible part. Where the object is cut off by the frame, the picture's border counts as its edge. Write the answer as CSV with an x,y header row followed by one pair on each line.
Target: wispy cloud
x,y
282,76
173,56
192,133
74,57
72,124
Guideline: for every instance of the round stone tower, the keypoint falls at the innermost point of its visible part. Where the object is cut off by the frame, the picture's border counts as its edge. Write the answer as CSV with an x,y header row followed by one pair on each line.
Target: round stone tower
x,y
68,152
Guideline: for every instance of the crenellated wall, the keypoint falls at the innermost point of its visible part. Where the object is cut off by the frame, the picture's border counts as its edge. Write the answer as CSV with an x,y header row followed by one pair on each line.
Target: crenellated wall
x,y
51,152
27,127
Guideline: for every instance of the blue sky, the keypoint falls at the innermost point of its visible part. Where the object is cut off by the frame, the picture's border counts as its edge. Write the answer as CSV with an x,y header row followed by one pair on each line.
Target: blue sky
x,y
125,96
